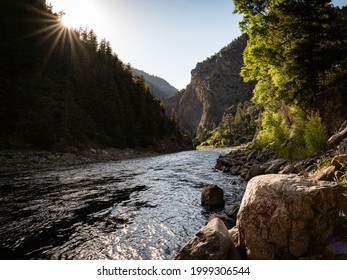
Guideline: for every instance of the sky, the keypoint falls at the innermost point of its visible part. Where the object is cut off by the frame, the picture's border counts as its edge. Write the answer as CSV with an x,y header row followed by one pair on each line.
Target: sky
x,y
165,38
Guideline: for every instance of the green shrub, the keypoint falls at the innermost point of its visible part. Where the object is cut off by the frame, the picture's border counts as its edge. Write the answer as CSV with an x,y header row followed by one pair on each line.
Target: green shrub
x,y
224,142
315,134
202,135
273,129
295,133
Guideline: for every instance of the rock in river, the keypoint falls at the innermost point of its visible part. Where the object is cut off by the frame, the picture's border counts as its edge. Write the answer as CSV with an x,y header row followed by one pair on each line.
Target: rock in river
x,y
212,198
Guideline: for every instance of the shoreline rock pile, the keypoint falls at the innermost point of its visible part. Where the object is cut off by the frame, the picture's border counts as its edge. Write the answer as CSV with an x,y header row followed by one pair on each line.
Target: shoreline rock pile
x,y
280,217
252,163
289,210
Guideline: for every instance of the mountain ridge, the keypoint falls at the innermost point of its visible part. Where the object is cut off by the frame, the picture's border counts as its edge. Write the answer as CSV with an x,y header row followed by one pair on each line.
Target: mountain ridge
x,y
215,85
159,87
70,91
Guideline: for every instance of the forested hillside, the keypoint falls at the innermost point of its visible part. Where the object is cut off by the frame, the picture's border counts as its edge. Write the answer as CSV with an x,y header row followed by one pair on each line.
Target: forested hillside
x,y
158,86
63,88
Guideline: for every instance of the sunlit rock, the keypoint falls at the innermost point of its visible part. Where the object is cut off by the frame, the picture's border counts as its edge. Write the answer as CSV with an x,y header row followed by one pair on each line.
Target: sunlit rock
x,y
229,222
212,242
288,217
215,85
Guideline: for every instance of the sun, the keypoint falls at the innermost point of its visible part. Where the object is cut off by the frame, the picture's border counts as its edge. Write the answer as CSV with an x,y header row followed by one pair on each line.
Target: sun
x,y
57,33
69,21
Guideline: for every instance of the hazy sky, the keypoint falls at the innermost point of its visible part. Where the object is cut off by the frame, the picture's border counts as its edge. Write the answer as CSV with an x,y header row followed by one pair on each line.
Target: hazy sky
x,y
165,38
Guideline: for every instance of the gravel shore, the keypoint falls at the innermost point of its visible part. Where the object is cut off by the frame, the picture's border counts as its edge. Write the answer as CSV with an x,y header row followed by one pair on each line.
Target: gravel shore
x,y
21,161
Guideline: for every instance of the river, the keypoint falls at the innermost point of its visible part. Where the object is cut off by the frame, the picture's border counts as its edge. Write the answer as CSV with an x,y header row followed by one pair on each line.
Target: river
x,y
145,208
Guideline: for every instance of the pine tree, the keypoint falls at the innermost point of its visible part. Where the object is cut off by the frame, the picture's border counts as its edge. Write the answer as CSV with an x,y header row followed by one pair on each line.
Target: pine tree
x,y
62,88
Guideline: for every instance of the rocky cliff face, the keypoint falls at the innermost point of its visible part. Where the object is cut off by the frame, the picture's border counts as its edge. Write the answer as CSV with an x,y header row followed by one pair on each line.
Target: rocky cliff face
x,y
215,85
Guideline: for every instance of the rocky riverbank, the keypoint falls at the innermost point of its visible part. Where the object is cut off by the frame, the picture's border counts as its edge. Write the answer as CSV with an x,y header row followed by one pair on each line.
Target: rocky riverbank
x,y
289,210
26,160
251,163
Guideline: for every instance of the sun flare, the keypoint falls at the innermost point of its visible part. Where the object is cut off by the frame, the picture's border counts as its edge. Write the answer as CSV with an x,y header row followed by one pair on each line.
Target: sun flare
x,y
56,32
69,21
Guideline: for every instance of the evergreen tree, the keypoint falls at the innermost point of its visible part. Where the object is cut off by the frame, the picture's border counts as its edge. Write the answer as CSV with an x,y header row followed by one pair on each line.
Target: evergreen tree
x,y
292,47
61,88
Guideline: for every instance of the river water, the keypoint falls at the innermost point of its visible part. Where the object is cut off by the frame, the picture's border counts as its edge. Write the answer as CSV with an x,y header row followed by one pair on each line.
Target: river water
x,y
145,208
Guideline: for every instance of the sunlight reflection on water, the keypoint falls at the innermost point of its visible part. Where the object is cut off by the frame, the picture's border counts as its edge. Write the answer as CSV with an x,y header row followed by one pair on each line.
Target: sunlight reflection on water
x,y
133,209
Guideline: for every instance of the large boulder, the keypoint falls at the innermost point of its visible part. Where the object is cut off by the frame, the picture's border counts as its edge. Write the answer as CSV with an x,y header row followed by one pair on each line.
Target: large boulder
x,y
212,242
288,217
212,198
